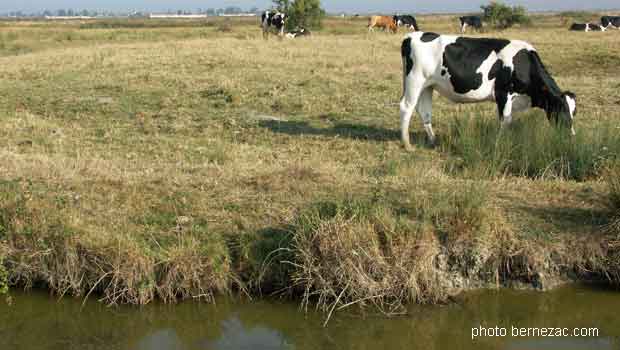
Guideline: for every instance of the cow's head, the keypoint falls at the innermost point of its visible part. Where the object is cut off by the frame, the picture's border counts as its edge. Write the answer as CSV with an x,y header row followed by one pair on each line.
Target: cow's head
x,y
279,19
564,112
397,20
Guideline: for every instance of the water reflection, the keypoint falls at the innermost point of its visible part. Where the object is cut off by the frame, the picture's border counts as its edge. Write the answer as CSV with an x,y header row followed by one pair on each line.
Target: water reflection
x,y
36,321
236,337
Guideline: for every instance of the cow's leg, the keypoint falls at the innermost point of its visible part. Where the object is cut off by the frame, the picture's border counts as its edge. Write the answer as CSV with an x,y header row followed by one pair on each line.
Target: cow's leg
x,y
463,27
504,107
425,110
411,95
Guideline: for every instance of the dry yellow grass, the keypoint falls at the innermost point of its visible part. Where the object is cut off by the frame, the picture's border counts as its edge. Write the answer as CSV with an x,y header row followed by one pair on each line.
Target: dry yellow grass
x,y
173,151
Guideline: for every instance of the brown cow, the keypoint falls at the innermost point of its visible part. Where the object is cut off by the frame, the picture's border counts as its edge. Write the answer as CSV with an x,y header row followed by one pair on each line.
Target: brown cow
x,y
385,22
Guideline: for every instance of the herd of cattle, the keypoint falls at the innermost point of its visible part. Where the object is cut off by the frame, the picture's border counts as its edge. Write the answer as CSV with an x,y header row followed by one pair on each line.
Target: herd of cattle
x,y
607,22
275,21
468,70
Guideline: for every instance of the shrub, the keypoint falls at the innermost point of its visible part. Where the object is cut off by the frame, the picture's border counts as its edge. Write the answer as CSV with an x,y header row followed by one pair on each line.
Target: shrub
x,y
503,16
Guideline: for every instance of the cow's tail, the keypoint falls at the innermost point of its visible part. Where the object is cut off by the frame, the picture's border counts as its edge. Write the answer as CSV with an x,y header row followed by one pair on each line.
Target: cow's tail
x,y
406,53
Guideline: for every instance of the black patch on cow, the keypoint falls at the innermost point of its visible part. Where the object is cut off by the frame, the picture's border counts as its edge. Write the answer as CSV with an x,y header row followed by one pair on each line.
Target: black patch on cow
x,y
405,51
613,20
496,67
473,21
503,85
531,77
443,72
428,37
595,27
578,27
464,57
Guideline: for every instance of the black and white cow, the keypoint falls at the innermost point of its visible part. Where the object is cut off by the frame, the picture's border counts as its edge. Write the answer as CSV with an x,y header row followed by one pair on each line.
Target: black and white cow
x,y
610,21
273,21
298,33
470,21
406,21
467,70
587,27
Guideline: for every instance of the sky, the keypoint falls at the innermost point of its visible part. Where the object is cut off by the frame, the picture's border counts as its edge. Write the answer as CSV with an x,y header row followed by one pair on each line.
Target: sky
x,y
352,6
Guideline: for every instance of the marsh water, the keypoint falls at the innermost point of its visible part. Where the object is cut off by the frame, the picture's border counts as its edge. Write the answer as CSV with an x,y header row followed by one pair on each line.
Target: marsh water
x,y
36,320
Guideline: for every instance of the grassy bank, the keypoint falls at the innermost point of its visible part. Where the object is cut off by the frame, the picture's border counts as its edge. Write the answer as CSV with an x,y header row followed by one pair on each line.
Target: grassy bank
x,y
145,161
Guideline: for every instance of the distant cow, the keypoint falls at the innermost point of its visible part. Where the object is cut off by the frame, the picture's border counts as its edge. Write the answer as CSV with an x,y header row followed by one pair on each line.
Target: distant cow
x,y
406,21
468,70
610,21
470,21
273,21
384,22
587,27
298,33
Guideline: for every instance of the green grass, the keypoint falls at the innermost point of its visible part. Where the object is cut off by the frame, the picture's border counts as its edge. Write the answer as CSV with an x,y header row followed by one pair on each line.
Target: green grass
x,y
531,147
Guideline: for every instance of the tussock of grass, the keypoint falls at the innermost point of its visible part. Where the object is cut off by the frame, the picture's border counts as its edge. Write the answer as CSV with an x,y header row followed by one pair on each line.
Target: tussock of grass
x,y
387,254
530,147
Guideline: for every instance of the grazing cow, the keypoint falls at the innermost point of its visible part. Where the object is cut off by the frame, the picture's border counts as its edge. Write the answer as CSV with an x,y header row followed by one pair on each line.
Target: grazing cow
x,y
468,70
407,21
384,22
298,33
471,21
587,27
273,21
610,21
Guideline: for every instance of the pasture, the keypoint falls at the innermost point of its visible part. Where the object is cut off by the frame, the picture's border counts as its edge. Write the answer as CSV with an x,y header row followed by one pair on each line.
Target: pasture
x,y
171,159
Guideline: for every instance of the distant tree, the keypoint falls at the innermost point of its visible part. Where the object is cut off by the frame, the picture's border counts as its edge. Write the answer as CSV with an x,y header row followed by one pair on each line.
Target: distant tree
x,y
282,5
503,16
232,10
70,13
302,13
211,12
61,12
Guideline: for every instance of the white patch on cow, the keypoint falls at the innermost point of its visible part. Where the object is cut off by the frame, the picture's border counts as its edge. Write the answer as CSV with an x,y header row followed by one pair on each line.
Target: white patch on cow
x,y
572,104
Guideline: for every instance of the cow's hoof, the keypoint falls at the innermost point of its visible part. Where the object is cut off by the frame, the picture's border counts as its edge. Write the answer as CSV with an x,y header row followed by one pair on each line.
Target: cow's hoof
x,y
408,148
434,143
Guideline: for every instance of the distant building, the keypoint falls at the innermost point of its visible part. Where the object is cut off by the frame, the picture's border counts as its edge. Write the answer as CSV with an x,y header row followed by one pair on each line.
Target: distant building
x,y
237,15
68,17
166,15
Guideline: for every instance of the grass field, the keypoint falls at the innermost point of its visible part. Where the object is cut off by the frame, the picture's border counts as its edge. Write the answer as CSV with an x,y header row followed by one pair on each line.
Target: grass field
x,y
144,160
